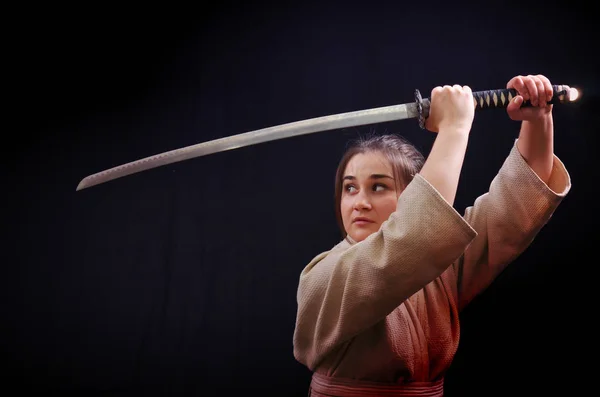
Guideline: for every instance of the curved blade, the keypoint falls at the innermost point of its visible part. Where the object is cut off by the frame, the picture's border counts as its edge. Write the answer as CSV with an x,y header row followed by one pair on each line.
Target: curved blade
x,y
325,123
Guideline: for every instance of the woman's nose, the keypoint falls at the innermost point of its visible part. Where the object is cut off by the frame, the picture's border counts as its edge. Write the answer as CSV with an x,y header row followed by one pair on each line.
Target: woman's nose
x,y
362,202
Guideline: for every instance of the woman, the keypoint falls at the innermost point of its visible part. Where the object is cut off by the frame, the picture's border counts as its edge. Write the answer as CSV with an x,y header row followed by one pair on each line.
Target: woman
x,y
378,314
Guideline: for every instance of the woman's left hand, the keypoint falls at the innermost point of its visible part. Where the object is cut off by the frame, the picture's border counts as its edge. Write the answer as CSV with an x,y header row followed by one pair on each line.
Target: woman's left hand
x,y
537,90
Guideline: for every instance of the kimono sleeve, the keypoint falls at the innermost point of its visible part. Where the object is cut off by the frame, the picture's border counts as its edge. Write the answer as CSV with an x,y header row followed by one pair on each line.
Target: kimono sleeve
x,y
507,219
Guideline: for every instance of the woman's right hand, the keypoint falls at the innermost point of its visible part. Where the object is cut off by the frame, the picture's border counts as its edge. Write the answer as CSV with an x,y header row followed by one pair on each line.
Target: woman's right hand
x,y
452,110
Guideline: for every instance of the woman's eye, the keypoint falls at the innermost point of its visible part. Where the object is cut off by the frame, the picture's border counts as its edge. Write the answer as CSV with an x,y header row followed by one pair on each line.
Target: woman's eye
x,y
350,188
379,187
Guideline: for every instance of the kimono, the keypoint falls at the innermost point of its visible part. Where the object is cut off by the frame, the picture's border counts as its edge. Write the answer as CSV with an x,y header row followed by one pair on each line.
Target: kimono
x,y
381,316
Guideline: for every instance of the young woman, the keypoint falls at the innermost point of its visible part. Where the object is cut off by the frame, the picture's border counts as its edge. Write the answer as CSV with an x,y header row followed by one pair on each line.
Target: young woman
x,y
378,314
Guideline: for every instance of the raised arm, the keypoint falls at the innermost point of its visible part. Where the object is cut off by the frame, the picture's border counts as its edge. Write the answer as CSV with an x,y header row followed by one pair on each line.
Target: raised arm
x,y
536,138
451,116
522,197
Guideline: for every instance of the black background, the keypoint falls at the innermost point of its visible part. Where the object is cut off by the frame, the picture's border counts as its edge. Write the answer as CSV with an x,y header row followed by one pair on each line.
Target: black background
x,y
181,280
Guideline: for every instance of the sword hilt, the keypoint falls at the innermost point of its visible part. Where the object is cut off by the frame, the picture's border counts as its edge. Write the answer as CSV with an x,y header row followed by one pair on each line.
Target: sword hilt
x,y
490,99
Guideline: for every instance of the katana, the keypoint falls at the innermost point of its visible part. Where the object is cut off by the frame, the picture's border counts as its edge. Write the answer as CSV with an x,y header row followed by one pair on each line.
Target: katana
x,y
419,109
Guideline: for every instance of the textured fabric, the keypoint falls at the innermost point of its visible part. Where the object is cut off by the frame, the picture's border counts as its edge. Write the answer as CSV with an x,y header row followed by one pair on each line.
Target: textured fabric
x,y
386,309
325,386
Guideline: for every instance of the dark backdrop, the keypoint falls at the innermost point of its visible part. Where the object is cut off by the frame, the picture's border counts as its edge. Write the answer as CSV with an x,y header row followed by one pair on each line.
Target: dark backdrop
x,y
182,280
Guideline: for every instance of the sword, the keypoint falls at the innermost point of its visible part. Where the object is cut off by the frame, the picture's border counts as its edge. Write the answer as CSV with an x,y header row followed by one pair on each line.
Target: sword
x,y
419,109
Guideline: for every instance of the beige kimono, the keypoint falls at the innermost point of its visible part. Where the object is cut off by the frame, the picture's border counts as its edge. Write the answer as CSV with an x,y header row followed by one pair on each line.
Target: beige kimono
x,y
383,314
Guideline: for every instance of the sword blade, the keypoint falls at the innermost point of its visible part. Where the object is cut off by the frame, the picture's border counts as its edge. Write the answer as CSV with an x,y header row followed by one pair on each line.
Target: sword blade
x,y
309,126
488,99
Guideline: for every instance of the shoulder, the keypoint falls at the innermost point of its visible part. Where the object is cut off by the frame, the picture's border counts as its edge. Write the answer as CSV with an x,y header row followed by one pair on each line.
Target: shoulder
x,y
326,256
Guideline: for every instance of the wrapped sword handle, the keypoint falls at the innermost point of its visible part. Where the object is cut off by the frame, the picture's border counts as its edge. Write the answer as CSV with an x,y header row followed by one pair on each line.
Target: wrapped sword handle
x,y
490,99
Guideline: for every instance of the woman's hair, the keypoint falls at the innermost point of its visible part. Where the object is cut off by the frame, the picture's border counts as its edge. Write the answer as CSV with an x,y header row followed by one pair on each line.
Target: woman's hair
x,y
406,161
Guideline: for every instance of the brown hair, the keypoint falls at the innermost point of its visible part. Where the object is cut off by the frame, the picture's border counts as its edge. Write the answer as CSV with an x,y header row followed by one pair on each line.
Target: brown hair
x,y
405,158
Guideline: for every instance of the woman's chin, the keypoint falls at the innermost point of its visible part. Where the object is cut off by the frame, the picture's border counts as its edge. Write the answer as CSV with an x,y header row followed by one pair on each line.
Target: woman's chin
x,y
361,234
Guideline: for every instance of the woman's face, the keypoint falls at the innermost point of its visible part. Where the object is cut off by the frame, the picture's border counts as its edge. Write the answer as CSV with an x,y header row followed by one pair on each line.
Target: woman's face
x,y
369,194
